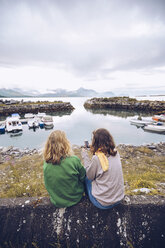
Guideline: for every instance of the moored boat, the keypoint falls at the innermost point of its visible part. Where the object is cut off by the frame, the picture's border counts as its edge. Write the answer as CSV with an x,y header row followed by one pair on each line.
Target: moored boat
x,y
33,123
13,124
29,116
159,117
141,122
48,121
40,115
155,127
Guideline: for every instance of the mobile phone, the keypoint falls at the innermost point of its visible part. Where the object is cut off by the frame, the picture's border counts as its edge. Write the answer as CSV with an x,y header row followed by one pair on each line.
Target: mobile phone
x,y
86,143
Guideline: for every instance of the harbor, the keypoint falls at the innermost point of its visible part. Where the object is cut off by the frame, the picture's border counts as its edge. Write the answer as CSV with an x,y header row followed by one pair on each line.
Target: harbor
x,y
80,123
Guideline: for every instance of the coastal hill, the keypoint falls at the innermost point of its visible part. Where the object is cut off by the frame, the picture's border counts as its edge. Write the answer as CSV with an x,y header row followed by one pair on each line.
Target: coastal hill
x,y
81,92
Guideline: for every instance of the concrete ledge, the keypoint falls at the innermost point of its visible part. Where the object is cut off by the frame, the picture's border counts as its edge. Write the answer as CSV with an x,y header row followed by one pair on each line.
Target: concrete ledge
x,y
137,222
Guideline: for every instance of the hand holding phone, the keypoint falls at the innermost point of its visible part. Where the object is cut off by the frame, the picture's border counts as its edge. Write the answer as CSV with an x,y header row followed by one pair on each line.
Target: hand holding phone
x,y
86,144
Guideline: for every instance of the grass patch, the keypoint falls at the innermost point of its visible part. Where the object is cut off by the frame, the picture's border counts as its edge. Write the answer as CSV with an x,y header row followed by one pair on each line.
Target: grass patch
x,y
145,172
142,168
22,177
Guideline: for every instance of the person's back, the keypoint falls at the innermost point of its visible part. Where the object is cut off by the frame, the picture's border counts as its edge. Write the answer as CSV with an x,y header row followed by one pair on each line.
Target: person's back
x,y
63,174
105,184
107,187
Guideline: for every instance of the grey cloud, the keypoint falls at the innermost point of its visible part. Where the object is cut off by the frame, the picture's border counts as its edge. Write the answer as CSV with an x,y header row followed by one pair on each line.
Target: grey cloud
x,y
84,36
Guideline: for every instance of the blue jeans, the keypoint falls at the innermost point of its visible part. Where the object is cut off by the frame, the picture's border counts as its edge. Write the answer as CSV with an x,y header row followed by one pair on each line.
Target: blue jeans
x,y
88,184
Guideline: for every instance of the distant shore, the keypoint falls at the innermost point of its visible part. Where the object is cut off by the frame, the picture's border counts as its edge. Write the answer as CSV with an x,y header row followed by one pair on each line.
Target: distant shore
x,y
125,103
21,107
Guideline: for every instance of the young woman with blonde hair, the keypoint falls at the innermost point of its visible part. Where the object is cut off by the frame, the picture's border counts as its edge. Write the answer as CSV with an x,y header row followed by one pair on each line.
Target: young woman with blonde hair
x,y
63,173
104,181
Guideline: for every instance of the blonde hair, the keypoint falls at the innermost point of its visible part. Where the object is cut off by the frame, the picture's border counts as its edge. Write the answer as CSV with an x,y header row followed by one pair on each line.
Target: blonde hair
x,y
57,147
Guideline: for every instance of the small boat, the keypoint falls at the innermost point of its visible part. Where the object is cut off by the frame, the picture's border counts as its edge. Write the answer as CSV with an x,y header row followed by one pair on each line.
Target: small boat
x,y
13,124
159,117
40,115
141,122
48,121
33,123
2,128
155,127
162,117
29,116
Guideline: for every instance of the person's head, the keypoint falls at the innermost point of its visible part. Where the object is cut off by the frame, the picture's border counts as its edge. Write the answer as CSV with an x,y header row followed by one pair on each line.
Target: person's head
x,y
102,140
57,147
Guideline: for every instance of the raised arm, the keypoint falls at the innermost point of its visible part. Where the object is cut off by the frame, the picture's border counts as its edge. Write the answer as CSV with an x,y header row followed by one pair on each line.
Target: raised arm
x,y
91,166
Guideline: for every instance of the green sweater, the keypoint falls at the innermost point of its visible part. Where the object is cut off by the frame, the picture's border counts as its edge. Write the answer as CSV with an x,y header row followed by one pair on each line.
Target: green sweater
x,y
65,181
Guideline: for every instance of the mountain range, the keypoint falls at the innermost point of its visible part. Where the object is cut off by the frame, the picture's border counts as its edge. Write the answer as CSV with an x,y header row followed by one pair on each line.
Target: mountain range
x,y
81,92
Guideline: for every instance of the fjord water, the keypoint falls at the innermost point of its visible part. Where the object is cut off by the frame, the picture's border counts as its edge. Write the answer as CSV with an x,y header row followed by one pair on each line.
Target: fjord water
x,y
79,125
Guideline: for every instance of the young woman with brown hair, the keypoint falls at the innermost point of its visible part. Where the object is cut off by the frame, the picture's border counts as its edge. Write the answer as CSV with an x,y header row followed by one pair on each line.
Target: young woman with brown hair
x,y
104,181
63,173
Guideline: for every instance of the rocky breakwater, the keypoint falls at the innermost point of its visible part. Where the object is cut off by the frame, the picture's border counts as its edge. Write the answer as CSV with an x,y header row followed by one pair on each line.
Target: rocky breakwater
x,y
125,103
35,107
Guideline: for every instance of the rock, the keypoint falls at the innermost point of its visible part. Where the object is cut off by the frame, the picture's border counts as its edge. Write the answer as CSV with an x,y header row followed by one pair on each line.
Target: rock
x,y
29,107
7,149
126,103
142,190
6,153
152,147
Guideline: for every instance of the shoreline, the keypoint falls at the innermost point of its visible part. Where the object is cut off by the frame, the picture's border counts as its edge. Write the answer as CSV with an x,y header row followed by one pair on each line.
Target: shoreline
x,y
20,152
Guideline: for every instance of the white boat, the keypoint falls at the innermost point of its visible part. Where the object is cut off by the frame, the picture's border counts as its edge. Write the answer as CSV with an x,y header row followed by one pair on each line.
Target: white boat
x,y
13,124
48,121
33,123
141,122
155,127
40,115
159,117
29,116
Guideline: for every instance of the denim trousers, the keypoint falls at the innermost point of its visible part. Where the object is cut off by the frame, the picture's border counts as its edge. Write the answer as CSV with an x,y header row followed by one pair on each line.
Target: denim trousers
x,y
88,184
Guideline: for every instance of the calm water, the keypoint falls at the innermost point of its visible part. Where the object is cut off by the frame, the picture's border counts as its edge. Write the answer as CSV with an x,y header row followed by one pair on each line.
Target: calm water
x,y
79,125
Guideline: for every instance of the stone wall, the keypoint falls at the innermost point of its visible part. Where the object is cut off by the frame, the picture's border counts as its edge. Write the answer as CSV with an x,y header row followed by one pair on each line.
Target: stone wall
x,y
138,222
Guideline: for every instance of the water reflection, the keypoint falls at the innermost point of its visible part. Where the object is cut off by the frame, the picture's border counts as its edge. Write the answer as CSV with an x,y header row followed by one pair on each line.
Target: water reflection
x,y
152,131
58,113
119,113
61,113
15,134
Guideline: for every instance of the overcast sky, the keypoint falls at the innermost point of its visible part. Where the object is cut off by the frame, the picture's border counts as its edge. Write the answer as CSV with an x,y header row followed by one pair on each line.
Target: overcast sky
x,y
98,44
